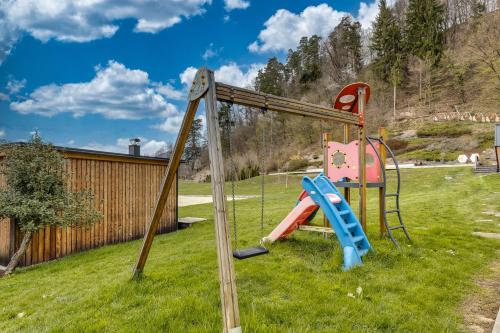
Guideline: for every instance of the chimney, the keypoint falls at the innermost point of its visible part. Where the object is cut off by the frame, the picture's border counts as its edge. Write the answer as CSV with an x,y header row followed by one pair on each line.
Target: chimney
x,y
134,148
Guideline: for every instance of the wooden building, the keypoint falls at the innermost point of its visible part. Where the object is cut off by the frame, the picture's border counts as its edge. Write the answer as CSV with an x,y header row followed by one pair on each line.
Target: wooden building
x,y
125,189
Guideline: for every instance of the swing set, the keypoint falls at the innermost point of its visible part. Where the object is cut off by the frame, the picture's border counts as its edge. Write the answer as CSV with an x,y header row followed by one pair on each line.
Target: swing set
x,y
350,113
258,249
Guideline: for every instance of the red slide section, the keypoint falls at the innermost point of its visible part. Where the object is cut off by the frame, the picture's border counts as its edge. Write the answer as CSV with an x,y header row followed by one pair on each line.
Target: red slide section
x,y
296,217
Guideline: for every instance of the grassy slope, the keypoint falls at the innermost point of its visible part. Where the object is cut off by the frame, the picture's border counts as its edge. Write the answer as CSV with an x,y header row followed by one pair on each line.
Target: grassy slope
x,y
299,287
438,141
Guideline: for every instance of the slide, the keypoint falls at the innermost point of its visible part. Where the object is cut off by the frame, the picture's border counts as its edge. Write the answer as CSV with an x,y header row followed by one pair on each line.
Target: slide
x,y
305,208
321,193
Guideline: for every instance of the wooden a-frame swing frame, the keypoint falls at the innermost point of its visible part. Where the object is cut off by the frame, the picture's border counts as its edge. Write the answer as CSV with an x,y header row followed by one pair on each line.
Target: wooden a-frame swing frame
x,y
205,86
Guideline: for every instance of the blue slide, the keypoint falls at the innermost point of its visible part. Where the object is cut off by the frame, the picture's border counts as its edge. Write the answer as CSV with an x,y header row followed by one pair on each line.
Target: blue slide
x,y
346,225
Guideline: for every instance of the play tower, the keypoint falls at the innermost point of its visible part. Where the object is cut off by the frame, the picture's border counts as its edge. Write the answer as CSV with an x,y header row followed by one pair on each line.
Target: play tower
x,y
357,164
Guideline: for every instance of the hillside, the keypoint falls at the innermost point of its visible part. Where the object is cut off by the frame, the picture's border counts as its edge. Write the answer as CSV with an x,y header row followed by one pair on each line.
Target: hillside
x,y
442,109
467,80
445,111
454,114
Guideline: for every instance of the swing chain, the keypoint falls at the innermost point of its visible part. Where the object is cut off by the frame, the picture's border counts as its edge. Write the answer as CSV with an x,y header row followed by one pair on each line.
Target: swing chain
x,y
262,175
228,124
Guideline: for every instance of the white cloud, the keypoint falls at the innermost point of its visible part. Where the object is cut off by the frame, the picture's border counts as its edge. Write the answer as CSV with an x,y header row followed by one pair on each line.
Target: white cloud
x,y
14,86
71,142
171,124
152,146
254,47
171,92
9,34
236,4
118,147
210,52
4,97
115,92
231,73
87,20
2,133
234,75
188,75
284,29
148,147
367,13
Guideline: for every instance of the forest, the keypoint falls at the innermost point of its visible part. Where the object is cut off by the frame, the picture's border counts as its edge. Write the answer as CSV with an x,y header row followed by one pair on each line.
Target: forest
x,y
420,57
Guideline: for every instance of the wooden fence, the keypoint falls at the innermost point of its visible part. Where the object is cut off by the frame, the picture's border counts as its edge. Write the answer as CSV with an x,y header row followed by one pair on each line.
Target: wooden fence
x,y
125,189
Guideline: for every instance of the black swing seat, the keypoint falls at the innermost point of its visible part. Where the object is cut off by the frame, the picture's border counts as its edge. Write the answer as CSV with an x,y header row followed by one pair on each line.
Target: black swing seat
x,y
250,252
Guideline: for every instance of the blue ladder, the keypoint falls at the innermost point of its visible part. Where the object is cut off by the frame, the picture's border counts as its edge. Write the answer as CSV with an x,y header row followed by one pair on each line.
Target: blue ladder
x,y
346,225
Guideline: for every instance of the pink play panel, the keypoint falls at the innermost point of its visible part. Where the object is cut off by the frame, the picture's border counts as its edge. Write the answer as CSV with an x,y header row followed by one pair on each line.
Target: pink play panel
x,y
343,161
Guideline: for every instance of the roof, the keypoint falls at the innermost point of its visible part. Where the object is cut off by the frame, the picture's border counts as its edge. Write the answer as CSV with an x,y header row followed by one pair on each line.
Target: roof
x,y
104,155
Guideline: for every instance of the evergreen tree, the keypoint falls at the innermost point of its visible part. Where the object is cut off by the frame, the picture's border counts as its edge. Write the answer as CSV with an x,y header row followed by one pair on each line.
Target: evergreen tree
x,y
425,24
343,50
293,68
193,148
226,121
309,51
387,44
271,79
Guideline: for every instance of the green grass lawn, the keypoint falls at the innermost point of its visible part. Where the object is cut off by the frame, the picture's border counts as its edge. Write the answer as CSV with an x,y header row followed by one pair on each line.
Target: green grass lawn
x,y
298,287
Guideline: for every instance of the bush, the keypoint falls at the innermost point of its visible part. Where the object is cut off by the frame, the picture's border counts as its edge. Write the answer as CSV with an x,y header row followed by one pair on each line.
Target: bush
x,y
430,155
294,165
316,163
249,172
450,130
486,140
397,144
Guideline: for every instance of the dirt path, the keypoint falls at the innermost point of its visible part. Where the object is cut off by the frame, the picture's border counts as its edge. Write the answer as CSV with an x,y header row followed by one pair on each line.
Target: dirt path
x,y
480,310
189,200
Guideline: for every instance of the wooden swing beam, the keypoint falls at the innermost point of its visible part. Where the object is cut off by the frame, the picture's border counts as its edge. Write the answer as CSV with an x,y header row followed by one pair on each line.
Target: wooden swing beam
x,y
205,86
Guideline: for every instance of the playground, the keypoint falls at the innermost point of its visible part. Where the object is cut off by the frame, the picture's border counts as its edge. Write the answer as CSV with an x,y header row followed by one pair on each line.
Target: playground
x,y
242,166
332,251
300,286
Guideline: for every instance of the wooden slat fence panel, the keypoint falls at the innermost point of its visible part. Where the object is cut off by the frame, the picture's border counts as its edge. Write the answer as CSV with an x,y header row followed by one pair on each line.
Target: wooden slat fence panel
x,y
125,192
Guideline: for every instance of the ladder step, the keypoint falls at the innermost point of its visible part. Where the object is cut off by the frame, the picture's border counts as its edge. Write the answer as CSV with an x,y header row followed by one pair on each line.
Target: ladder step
x,y
392,195
363,252
357,239
351,225
396,227
326,230
344,212
392,211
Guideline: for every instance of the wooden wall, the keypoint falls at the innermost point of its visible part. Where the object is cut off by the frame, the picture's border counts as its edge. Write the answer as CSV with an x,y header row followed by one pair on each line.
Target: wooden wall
x,y
125,190
5,243
5,230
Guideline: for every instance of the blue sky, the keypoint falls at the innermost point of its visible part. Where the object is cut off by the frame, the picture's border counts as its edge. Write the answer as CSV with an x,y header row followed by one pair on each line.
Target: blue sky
x,y
92,74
